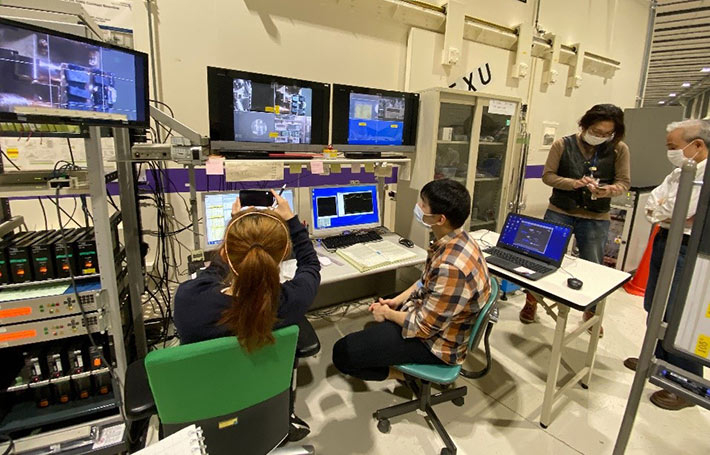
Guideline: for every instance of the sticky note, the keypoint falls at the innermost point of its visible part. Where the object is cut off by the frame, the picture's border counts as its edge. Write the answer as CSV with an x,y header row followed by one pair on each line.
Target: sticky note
x,y
294,168
253,171
383,171
335,168
369,167
707,313
702,347
273,134
277,109
269,109
215,165
316,167
13,152
354,168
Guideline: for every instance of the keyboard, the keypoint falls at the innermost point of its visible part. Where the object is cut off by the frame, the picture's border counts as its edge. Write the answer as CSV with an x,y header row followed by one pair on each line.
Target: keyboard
x,y
511,261
345,240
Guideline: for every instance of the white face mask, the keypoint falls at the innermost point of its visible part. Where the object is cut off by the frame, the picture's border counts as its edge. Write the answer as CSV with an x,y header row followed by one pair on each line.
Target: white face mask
x,y
591,139
419,215
676,156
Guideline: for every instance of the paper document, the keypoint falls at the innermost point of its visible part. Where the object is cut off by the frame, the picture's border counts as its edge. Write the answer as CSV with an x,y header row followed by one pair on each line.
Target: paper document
x,y
368,256
253,170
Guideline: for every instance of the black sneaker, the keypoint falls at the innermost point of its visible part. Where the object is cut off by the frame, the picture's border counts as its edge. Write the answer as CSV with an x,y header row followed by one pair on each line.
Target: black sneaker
x,y
298,429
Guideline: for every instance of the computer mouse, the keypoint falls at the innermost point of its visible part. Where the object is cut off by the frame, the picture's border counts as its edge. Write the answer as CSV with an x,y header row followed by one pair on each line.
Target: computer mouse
x,y
574,283
406,242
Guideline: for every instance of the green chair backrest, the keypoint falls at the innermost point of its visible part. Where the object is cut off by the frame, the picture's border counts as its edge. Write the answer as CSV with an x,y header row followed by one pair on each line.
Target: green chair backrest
x,y
217,377
478,326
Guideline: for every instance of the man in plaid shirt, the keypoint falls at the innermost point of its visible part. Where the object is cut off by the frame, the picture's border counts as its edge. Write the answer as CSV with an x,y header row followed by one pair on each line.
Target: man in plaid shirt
x,y
430,322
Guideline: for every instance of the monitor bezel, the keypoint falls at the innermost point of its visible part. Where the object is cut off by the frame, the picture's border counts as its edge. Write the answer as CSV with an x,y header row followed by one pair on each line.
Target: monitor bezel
x,y
320,233
537,256
222,132
341,115
71,120
203,211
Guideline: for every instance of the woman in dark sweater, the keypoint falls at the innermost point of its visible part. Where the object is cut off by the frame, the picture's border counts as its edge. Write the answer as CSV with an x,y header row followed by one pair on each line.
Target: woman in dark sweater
x,y
239,293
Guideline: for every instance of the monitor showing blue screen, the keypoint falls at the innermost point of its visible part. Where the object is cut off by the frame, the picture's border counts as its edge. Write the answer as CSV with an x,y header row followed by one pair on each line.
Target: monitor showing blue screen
x,y
49,71
218,213
538,237
345,207
376,119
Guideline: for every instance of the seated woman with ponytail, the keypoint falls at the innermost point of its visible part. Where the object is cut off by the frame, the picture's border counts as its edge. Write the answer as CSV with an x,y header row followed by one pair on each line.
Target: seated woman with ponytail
x,y
240,293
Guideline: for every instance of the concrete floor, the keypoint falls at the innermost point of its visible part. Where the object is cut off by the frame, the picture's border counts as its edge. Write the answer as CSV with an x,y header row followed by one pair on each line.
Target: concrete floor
x,y
502,410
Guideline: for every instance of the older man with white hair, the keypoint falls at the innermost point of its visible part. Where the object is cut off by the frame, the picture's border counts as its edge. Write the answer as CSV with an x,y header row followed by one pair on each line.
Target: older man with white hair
x,y
689,139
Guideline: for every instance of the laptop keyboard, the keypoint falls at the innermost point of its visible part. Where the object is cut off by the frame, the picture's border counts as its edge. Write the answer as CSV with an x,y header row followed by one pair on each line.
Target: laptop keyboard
x,y
345,240
518,260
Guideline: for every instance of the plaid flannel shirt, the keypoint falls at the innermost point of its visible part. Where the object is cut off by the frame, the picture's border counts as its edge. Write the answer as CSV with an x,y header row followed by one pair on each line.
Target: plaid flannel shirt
x,y
453,287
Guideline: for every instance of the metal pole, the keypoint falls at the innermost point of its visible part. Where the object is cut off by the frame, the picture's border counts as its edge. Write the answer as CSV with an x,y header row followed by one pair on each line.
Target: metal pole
x,y
660,299
104,244
131,236
193,207
646,52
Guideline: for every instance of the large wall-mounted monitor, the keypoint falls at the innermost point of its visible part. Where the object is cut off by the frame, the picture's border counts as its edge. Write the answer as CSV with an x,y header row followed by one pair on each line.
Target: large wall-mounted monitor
x,y
52,76
251,111
372,119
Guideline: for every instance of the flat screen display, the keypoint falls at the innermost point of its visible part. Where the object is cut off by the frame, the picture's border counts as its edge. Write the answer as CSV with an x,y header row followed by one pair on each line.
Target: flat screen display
x,y
345,207
372,117
266,112
218,213
46,73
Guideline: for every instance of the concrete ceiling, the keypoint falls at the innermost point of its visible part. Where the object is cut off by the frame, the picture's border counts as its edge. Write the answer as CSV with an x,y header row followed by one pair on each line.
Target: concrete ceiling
x,y
680,50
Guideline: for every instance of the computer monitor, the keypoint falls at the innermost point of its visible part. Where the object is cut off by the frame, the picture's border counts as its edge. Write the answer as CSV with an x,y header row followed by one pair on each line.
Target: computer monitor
x,y
543,240
251,111
218,212
337,209
51,76
371,119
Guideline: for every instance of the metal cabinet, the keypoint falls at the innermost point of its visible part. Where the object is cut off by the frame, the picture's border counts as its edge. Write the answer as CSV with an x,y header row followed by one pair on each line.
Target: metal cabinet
x,y
470,138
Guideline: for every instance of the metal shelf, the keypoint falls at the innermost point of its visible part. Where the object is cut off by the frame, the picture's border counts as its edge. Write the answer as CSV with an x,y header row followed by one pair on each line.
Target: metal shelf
x,y
45,282
491,143
453,142
10,191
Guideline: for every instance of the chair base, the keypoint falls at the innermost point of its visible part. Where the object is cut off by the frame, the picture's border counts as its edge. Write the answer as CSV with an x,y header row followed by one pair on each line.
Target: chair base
x,y
424,401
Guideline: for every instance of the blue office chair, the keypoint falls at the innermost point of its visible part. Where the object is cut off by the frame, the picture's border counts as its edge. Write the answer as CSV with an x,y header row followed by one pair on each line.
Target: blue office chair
x,y
443,375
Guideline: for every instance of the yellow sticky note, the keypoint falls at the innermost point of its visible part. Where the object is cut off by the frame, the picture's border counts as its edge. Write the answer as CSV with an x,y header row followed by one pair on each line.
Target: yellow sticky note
x,y
354,168
269,109
707,313
370,167
335,168
702,347
383,171
273,134
13,152
294,168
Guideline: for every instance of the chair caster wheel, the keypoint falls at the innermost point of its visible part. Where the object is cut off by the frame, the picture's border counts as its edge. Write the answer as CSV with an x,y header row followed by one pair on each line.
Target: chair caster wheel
x,y
446,451
585,386
384,426
458,401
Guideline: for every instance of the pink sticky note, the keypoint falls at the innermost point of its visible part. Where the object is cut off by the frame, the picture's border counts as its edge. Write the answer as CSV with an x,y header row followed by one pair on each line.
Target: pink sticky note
x,y
316,167
215,165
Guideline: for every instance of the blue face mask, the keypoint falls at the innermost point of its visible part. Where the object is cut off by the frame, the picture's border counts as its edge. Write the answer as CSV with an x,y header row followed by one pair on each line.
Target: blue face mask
x,y
419,215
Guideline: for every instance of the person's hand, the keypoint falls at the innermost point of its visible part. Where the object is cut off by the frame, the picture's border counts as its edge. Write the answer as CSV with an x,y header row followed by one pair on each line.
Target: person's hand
x,y
605,191
282,207
584,181
236,207
379,311
392,303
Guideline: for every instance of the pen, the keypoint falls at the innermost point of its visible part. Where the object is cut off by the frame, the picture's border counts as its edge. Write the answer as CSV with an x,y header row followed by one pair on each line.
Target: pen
x,y
282,190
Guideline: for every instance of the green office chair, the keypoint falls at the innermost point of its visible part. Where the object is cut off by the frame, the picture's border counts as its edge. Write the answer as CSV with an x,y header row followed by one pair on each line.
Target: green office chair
x,y
440,374
240,400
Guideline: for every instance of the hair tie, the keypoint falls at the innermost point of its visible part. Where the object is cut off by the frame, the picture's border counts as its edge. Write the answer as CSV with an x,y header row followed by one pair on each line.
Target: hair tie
x,y
256,245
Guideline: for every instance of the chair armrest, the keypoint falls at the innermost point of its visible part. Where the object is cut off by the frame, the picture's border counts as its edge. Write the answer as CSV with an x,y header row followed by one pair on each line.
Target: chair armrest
x,y
138,396
308,343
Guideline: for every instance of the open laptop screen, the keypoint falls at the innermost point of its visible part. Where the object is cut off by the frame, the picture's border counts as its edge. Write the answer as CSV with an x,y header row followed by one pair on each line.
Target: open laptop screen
x,y
538,238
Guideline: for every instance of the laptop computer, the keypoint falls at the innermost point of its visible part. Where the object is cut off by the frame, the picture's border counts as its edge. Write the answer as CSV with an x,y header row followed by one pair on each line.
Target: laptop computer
x,y
530,247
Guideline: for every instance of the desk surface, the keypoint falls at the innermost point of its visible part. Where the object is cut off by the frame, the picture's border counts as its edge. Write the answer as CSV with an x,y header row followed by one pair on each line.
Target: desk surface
x,y
599,280
340,270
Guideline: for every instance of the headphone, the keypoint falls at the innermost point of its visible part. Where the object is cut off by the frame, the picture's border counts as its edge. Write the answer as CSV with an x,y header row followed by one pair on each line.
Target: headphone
x,y
256,245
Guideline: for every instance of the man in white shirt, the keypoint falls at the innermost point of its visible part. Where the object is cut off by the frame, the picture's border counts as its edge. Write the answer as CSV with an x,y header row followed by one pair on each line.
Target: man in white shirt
x,y
689,139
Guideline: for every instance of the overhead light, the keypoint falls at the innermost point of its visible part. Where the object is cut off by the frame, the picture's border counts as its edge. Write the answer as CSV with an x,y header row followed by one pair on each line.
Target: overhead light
x,y
661,102
671,95
705,70
685,84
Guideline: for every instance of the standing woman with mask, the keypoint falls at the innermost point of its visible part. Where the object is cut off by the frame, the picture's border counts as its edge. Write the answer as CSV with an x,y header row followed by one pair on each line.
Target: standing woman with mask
x,y
585,170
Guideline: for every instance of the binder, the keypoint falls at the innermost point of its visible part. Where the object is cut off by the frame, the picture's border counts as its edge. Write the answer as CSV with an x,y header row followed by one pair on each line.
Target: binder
x,y
188,441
